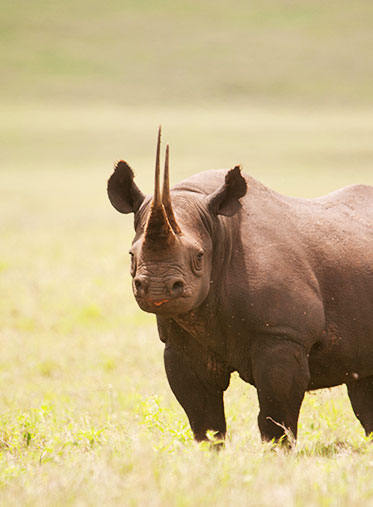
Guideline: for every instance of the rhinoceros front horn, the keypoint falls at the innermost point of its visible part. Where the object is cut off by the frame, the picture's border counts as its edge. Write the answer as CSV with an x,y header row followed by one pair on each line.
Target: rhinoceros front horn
x,y
161,226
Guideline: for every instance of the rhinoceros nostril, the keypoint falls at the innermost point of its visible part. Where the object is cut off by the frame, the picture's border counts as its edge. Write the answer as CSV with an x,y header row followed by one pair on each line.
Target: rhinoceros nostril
x,y
177,288
141,285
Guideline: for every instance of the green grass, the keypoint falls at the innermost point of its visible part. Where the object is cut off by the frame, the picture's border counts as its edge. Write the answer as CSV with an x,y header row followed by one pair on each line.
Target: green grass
x,y
86,414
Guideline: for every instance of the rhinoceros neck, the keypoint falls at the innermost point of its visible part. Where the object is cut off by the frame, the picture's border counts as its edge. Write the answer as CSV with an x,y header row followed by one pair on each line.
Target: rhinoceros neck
x,y
203,325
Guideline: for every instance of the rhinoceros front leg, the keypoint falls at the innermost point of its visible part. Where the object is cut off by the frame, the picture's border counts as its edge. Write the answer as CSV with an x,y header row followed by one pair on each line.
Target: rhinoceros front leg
x,y
203,404
281,376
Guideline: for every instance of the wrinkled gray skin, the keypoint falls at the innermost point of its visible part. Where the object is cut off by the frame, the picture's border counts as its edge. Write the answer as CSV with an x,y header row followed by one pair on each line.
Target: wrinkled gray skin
x,y
276,288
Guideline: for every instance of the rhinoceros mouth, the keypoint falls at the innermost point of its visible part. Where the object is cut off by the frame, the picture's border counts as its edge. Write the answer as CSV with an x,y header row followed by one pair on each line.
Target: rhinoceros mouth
x,y
160,303
182,304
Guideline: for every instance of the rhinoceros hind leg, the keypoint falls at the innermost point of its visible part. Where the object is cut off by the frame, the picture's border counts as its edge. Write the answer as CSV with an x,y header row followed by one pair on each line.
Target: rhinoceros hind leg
x,y
361,397
281,376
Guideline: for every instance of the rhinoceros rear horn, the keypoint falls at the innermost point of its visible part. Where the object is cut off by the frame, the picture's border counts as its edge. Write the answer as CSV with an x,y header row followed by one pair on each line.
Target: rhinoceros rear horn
x,y
161,225
166,196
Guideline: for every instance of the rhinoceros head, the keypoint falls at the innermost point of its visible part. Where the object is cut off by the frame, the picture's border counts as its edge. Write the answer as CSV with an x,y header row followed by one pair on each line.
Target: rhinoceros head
x,y
172,252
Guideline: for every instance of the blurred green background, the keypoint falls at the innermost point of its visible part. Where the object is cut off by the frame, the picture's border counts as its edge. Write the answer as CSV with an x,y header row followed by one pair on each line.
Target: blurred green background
x,y
170,52
283,87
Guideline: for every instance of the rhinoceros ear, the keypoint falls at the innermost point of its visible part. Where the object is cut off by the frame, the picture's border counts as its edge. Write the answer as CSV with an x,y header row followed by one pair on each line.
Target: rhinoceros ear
x,y
123,192
225,200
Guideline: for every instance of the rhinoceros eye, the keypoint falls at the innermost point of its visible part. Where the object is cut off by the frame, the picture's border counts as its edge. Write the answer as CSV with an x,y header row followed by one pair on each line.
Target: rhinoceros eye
x,y
198,261
133,263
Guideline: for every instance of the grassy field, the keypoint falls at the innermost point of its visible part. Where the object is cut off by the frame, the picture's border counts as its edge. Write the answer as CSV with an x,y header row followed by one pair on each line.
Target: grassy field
x,y
86,414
